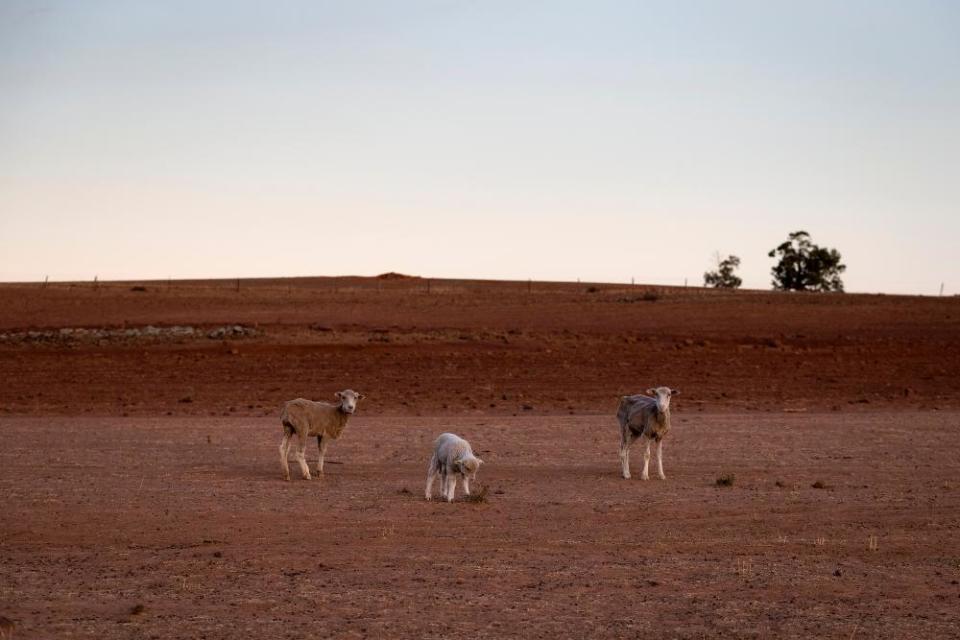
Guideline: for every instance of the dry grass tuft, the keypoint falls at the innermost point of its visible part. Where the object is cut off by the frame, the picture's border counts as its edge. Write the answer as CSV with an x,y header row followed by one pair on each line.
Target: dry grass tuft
x,y
479,496
744,567
726,480
7,627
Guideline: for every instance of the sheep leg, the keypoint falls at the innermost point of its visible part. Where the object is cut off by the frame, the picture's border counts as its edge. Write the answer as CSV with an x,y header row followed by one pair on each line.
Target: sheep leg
x,y
626,439
284,450
432,473
646,460
451,486
660,460
466,485
302,456
322,446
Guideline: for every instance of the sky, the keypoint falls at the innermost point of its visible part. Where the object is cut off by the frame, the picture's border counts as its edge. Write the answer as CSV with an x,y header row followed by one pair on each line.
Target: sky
x,y
552,140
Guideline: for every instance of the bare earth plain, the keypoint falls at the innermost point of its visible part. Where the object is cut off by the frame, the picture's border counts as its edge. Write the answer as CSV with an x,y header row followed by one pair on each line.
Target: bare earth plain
x,y
141,495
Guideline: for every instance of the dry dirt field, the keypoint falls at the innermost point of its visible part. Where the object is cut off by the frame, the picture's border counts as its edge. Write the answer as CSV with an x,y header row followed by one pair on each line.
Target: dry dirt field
x,y
141,491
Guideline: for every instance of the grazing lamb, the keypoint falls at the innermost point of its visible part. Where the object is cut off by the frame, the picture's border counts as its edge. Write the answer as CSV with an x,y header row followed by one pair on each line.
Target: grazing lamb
x,y
307,418
452,457
644,417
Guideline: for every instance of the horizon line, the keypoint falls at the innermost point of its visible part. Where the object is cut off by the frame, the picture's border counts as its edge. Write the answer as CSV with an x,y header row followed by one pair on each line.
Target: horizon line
x,y
396,275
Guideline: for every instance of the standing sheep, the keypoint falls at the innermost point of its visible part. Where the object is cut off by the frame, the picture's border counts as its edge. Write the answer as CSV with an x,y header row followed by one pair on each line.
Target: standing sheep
x,y
644,417
307,418
452,457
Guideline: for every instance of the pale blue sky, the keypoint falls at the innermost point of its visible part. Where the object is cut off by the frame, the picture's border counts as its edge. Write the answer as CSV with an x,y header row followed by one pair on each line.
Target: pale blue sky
x,y
548,140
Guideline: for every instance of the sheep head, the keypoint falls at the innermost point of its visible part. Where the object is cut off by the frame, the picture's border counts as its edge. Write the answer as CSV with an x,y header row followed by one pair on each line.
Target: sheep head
x,y
348,400
663,395
468,466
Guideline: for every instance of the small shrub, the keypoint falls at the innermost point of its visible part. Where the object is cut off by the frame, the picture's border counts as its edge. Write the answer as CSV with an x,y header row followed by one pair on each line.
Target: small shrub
x,y
138,289
651,296
726,480
479,496
137,609
592,289
819,484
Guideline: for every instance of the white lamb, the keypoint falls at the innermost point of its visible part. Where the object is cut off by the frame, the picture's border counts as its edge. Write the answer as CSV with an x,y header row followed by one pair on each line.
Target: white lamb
x,y
452,457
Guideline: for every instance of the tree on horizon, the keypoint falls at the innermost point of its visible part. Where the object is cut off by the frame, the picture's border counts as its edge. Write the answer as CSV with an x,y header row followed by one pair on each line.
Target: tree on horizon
x,y
804,266
723,277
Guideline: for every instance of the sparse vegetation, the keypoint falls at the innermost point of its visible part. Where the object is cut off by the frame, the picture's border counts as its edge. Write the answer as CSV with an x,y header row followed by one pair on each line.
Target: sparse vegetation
x,y
648,296
479,496
804,266
6,628
723,277
726,480
744,567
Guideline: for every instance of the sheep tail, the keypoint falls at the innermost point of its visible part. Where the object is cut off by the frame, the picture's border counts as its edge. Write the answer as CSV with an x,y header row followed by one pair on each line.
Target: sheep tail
x,y
620,403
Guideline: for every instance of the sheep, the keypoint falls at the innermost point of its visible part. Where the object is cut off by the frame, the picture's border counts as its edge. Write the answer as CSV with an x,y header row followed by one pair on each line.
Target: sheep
x,y
644,417
452,457
307,418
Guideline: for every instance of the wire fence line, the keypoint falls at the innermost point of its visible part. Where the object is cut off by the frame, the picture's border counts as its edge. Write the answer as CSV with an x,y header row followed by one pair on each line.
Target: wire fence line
x,y
359,284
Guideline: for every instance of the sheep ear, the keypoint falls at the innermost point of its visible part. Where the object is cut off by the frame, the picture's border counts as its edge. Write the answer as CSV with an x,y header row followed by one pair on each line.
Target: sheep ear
x,y
651,392
479,462
360,396
337,395
674,392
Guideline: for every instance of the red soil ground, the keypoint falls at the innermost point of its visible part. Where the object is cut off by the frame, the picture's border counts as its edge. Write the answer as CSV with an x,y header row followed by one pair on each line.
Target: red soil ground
x,y
188,517
141,490
475,347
